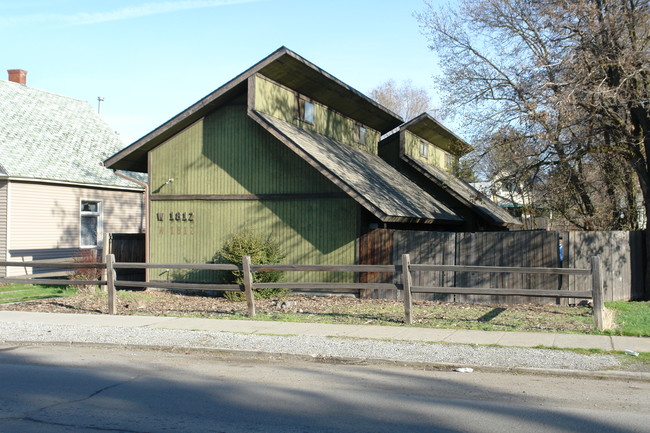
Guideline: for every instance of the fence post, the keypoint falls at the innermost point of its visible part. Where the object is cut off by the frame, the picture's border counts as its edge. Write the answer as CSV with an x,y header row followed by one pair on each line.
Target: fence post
x,y
105,252
110,284
597,293
406,286
248,285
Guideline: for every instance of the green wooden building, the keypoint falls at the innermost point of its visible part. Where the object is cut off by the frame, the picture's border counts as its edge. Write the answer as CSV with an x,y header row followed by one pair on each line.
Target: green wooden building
x,y
284,149
426,152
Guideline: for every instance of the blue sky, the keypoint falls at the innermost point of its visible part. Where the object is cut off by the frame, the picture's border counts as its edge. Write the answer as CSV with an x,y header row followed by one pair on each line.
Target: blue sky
x,y
151,59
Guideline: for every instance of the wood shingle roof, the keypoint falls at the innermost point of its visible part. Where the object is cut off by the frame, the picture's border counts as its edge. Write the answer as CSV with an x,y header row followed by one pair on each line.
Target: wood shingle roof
x,y
364,176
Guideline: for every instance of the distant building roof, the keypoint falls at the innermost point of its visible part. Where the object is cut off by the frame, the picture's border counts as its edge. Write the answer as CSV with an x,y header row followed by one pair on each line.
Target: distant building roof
x,y
364,176
49,137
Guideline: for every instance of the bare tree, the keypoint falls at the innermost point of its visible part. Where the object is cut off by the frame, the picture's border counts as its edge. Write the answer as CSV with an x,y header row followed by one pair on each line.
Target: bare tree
x,y
572,79
405,99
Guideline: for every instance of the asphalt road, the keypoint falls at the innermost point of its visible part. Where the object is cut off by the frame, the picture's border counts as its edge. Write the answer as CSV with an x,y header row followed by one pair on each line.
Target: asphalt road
x,y
83,389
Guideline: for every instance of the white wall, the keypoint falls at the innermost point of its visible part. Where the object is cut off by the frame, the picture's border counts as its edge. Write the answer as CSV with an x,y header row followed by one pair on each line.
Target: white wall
x,y
3,224
44,219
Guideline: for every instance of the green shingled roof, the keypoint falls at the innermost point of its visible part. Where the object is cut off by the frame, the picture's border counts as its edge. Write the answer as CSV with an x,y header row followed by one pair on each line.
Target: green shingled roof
x,y
44,136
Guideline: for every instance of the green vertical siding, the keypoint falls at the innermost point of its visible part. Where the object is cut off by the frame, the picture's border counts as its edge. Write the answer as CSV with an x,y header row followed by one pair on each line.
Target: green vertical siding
x,y
437,157
309,231
227,153
280,102
275,100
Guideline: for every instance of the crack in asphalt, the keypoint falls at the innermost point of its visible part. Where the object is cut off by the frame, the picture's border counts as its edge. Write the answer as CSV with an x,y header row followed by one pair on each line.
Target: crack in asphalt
x,y
30,415
77,426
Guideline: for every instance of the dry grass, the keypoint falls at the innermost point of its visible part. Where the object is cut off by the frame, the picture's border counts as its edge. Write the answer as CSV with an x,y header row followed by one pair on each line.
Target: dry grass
x,y
331,309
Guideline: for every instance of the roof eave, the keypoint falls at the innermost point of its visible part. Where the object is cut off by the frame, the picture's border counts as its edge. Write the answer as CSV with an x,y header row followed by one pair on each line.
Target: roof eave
x,y
462,147
134,188
331,176
341,183
133,157
494,219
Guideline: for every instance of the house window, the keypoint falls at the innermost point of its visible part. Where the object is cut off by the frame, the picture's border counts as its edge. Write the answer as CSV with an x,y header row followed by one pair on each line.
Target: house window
x,y
449,161
361,134
90,223
306,111
424,149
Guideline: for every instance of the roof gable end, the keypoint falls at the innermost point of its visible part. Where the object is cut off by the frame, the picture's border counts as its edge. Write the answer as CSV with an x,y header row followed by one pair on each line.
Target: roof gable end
x,y
284,67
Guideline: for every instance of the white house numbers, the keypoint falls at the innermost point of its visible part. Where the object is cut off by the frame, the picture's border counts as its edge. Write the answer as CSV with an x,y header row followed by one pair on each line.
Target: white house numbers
x,y
180,223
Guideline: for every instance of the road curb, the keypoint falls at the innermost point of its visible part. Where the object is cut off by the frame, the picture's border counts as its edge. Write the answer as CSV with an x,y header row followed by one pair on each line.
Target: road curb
x,y
280,356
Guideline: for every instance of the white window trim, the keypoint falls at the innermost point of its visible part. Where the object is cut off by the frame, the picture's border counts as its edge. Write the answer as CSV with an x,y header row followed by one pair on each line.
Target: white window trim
x,y
100,222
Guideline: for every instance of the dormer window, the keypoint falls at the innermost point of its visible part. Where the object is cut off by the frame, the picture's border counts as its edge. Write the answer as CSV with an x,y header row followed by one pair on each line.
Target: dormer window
x,y
424,149
306,111
449,161
360,134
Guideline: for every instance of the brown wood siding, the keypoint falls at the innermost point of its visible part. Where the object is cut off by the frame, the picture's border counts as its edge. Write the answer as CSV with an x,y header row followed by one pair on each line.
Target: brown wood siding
x,y
621,260
375,248
4,186
44,218
621,255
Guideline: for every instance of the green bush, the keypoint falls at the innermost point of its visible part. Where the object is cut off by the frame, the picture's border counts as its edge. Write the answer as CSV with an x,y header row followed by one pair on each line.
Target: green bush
x,y
262,251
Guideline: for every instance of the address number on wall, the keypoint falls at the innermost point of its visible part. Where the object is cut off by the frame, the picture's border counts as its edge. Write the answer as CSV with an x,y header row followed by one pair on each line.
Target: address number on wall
x,y
175,216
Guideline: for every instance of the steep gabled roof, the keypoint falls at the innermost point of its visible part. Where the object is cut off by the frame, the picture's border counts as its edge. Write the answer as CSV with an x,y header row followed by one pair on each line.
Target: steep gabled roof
x,y
49,137
368,179
286,68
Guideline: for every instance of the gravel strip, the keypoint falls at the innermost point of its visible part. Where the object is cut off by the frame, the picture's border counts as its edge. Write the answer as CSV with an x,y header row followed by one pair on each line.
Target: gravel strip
x,y
489,356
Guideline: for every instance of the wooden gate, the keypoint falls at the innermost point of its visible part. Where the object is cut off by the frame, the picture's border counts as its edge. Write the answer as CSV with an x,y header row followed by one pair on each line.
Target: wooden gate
x,y
127,247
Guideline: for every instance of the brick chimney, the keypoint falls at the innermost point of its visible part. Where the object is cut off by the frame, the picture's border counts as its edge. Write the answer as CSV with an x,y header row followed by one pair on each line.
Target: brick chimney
x,y
17,76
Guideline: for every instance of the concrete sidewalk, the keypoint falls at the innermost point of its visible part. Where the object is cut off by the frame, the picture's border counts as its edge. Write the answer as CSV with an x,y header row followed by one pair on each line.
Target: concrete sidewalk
x,y
399,333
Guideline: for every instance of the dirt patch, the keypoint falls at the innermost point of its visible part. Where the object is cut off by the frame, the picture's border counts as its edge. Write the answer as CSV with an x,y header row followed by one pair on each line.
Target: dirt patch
x,y
327,309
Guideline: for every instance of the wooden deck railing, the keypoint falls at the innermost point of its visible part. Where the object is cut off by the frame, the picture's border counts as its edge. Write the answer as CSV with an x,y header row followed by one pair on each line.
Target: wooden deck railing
x,y
247,268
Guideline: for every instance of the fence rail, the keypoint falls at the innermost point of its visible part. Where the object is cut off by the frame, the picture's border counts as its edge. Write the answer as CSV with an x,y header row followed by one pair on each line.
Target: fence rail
x,y
404,271
621,254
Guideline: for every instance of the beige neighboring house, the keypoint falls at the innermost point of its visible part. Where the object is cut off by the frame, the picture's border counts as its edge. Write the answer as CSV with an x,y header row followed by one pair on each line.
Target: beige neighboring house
x,y
55,197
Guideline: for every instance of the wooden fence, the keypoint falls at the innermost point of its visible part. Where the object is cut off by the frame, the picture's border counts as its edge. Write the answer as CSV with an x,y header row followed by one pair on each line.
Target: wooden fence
x,y
621,253
403,271
127,247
